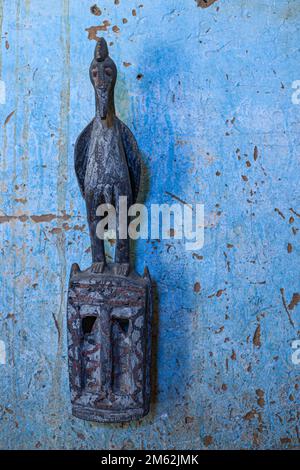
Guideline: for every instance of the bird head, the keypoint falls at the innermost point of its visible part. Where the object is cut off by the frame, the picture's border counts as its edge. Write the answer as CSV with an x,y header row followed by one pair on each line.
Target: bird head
x,y
103,75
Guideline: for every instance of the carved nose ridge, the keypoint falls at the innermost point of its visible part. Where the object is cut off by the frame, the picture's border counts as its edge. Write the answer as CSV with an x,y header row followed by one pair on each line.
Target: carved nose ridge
x,y
99,83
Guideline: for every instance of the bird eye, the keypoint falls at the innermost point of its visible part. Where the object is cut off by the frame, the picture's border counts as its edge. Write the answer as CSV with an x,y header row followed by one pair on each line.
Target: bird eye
x,y
108,71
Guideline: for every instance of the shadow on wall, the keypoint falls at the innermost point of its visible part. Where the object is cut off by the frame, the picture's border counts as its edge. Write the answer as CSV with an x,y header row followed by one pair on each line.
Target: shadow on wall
x,y
172,342
156,135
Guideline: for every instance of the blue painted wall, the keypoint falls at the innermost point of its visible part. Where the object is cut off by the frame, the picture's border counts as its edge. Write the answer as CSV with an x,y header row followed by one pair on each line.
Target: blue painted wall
x,y
213,114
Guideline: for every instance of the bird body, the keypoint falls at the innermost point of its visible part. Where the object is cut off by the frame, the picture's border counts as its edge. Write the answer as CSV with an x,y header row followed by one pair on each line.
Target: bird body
x,y
107,161
107,173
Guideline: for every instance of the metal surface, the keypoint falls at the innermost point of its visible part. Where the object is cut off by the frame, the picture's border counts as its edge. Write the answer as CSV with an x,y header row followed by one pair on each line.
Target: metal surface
x,y
201,89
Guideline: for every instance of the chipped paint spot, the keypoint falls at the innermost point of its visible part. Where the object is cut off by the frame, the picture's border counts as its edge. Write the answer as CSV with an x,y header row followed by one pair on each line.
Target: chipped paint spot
x,y
260,398
93,30
197,287
294,302
9,117
217,294
208,440
95,10
257,337
285,307
250,415
280,213
205,3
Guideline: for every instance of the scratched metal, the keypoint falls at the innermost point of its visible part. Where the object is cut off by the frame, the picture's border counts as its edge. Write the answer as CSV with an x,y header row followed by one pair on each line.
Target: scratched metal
x,y
208,95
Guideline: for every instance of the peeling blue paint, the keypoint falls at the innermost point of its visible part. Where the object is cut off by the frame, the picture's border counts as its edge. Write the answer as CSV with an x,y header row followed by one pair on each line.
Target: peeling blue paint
x,y
208,93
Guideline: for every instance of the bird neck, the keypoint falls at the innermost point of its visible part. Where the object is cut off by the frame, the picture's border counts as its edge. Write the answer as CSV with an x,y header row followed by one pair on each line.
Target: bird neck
x,y
111,112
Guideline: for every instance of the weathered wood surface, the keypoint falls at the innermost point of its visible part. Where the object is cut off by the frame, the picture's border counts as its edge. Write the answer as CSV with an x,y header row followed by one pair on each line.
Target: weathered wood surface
x,y
109,337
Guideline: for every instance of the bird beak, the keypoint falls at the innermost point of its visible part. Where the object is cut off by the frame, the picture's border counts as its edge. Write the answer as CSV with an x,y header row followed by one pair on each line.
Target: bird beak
x,y
102,95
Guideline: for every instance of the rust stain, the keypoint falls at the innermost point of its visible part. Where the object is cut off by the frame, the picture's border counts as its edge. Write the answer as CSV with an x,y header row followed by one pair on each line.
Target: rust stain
x,y
35,218
42,218
285,440
66,228
139,76
56,325
133,12
294,302
289,248
93,30
250,415
6,44
255,153
56,231
279,212
9,117
125,20
219,293
127,64
21,200
205,3
220,330
116,29
208,440
79,228
95,10
117,2
189,419
197,287
177,199
198,257
294,212
9,218
257,337
285,307
261,398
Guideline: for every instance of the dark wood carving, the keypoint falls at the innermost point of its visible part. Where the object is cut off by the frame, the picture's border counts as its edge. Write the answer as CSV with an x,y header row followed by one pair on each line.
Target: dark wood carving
x,y
109,305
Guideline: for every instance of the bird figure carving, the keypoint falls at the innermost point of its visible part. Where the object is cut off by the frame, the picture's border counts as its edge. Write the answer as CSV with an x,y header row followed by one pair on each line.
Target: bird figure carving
x,y
107,162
